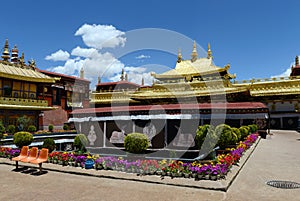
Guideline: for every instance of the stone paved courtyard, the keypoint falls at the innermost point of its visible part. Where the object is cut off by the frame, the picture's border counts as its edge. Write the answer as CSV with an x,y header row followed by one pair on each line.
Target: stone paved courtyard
x,y
275,158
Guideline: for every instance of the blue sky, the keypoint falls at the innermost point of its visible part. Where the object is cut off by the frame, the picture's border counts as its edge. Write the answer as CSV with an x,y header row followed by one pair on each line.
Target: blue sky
x,y
259,39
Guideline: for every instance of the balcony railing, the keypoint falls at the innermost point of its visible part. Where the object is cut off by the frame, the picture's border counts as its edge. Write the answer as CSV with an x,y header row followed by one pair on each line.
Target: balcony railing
x,y
23,102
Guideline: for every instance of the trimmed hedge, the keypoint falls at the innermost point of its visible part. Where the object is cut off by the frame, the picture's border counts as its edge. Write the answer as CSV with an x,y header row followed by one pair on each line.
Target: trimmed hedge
x,y
226,135
136,143
205,133
49,144
80,141
11,129
23,138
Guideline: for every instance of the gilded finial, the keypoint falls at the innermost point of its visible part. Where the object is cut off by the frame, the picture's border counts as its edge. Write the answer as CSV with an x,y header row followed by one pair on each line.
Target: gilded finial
x,y
126,77
179,57
297,61
209,52
194,52
99,79
5,54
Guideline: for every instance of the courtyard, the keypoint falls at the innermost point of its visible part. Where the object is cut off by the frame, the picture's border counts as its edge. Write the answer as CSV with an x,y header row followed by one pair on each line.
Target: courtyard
x,y
274,158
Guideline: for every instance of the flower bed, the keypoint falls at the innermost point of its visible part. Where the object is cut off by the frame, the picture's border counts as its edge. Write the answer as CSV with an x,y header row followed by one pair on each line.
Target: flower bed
x,y
213,170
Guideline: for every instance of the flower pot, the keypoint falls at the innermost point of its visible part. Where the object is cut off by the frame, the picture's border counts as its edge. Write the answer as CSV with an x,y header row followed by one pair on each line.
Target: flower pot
x,y
89,164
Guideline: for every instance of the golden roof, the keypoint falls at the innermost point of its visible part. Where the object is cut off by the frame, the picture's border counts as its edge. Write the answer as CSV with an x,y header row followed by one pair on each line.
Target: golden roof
x,y
200,67
11,71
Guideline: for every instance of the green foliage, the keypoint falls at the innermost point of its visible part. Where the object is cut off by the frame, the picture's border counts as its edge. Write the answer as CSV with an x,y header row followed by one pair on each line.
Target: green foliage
x,y
50,127
136,143
66,127
245,131
237,132
23,138
80,141
2,130
11,129
205,133
31,128
49,144
253,128
23,123
226,135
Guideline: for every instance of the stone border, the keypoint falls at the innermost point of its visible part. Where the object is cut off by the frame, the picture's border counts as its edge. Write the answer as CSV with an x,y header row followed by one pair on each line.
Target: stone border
x,y
219,185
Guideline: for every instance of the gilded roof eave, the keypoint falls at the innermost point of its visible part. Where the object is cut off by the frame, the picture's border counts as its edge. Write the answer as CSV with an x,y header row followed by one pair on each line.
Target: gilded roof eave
x,y
24,74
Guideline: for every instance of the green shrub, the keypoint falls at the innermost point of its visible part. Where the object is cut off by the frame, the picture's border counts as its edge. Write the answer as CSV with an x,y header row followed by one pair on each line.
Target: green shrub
x,y
11,129
205,132
237,132
66,127
80,141
226,135
2,130
245,131
253,128
50,127
31,128
136,143
23,138
49,144
23,123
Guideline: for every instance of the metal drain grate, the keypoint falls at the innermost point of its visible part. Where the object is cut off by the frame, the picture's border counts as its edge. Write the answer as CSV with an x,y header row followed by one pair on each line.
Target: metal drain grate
x,y
284,184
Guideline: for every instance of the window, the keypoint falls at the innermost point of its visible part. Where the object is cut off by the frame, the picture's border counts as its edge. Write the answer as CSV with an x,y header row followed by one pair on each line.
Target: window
x,y
7,88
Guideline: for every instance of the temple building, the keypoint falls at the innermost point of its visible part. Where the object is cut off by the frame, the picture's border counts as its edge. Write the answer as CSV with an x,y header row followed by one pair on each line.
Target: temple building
x,y
20,86
66,94
194,93
199,80
45,97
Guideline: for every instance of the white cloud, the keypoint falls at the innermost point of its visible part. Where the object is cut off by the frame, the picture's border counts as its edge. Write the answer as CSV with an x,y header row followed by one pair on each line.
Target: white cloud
x,y
142,56
71,67
60,55
101,36
286,73
95,61
84,52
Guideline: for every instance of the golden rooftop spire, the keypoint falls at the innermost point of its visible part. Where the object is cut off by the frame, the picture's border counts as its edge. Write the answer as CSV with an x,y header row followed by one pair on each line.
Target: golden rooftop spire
x,y
194,52
179,57
297,61
209,52
143,81
5,54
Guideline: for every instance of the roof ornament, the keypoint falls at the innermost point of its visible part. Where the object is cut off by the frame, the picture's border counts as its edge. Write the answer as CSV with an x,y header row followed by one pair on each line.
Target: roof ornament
x,y
22,60
122,75
179,57
194,52
297,61
14,55
99,79
209,52
126,77
143,81
32,64
82,73
5,54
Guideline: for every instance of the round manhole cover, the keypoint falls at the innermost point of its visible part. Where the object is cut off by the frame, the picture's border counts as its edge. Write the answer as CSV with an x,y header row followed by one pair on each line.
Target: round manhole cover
x,y
284,184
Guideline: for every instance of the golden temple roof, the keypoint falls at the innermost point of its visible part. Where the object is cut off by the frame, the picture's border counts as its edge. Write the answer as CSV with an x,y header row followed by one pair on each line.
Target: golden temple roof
x,y
194,67
25,73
